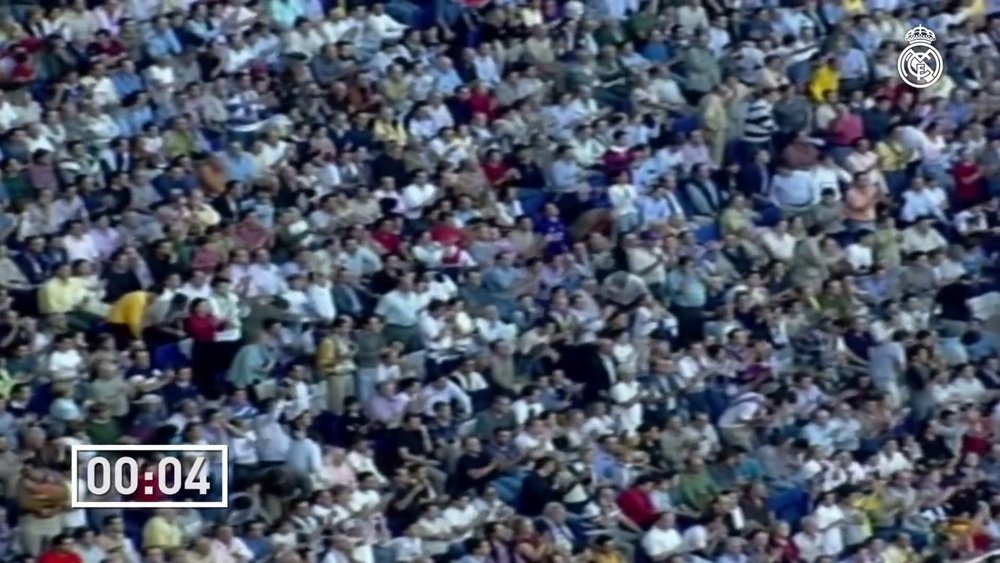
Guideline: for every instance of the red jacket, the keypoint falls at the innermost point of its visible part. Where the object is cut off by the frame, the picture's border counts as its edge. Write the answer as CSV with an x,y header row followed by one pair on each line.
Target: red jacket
x,y
482,103
616,161
388,240
447,235
201,329
968,183
59,556
152,485
636,504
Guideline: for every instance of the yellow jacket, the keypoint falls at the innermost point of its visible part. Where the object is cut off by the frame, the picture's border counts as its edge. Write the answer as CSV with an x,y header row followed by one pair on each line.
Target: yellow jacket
x,y
892,156
130,309
326,356
61,296
158,532
390,132
854,6
824,79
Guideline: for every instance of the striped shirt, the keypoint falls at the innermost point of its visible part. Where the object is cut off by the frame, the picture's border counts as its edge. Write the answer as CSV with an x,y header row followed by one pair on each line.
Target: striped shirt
x,y
758,123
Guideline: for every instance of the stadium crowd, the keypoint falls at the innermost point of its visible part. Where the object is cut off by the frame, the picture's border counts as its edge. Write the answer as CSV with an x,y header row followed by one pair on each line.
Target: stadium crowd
x,y
504,281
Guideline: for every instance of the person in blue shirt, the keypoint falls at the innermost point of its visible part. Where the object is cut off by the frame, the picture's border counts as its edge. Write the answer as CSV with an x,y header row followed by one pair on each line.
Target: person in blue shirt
x,y
238,164
853,65
162,41
179,389
126,80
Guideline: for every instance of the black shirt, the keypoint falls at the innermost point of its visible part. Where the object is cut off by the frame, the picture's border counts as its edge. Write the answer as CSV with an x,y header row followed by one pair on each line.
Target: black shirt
x,y
953,299
387,166
412,440
401,515
531,175
536,492
859,343
461,481
120,283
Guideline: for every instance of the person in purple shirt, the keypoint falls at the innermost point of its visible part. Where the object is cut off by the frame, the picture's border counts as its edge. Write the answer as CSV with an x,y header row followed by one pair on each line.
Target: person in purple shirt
x,y
551,226
387,407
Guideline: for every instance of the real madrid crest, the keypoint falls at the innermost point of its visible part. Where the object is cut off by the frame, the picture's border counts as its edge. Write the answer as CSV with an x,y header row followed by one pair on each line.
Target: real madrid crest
x,y
920,65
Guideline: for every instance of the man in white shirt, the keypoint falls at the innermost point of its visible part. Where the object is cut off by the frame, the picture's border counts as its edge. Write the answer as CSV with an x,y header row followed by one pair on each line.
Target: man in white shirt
x,y
860,254
443,390
226,306
826,174
359,260
663,539
624,199
401,308
923,237
809,540
304,454
737,423
320,295
792,190
435,327
778,242
646,260
198,287
273,441
80,245
492,328
418,195
387,28
586,149
920,201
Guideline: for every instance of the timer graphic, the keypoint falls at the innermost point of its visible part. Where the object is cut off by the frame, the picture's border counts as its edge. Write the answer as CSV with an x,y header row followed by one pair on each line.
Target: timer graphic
x,y
188,476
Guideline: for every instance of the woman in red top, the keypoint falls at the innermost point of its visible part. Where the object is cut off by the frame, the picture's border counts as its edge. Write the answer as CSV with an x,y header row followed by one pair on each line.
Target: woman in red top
x,y
782,543
210,358
61,551
978,435
200,325
150,469
969,188
387,235
445,233
23,70
497,173
481,101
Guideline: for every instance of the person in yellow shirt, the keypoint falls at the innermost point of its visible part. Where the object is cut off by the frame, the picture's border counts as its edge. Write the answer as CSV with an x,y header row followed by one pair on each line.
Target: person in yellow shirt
x,y
900,551
825,78
388,129
603,550
162,531
894,159
974,10
854,7
127,315
67,295
870,503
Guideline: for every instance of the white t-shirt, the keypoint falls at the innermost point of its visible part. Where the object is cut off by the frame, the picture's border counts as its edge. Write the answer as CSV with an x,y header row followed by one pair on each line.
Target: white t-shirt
x,y
967,390
244,448
781,246
459,518
437,527
629,417
77,518
827,518
742,411
659,542
859,256
810,547
65,365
